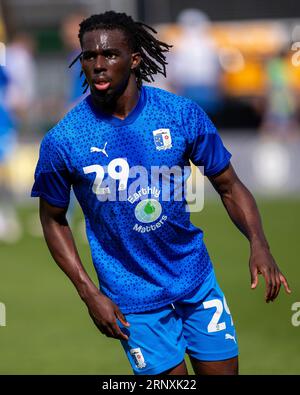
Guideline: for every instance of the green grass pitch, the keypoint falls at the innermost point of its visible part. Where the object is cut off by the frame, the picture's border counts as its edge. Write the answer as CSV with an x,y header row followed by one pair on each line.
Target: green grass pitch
x,y
48,329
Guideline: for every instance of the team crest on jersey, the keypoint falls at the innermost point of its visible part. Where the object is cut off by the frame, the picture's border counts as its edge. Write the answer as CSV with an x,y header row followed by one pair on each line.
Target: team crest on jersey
x,y
138,358
162,139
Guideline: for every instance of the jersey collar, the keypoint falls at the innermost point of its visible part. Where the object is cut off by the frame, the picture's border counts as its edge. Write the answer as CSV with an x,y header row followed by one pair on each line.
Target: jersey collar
x,y
131,117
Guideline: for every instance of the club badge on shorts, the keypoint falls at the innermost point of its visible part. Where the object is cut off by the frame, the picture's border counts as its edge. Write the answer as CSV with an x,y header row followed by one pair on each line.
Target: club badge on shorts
x,y
138,357
162,139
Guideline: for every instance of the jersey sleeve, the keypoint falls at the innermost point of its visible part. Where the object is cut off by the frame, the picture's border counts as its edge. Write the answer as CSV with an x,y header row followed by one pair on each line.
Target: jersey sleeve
x,y
206,146
52,179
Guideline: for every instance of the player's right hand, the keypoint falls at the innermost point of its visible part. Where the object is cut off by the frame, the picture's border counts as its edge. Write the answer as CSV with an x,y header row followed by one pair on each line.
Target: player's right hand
x,y
104,312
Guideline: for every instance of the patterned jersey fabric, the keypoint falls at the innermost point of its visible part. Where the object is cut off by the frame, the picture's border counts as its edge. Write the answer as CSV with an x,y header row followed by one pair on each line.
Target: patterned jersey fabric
x,y
145,249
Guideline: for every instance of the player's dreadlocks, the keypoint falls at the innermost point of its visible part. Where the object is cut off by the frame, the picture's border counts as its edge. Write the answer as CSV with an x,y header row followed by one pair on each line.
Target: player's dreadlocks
x,y
140,40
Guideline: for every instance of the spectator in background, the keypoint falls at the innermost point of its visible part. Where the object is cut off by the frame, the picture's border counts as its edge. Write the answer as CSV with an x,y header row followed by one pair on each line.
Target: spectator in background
x,y
69,33
194,69
10,229
21,69
18,92
281,114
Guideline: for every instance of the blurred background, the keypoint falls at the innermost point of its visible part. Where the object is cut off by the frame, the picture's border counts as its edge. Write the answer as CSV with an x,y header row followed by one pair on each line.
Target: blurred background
x,y
241,62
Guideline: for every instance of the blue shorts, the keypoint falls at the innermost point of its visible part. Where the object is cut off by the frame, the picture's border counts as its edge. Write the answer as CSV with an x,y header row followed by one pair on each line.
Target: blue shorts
x,y
198,324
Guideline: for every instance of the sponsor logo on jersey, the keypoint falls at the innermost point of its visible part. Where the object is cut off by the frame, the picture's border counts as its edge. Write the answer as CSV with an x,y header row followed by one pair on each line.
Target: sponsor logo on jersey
x,y
148,210
142,192
138,358
162,139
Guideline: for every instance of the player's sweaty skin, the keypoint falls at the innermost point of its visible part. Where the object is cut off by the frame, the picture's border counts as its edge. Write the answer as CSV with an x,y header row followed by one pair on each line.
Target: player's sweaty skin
x,y
109,57
102,310
243,211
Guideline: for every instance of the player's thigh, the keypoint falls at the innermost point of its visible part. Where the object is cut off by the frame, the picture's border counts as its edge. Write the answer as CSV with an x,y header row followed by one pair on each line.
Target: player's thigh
x,y
180,369
208,326
227,367
156,344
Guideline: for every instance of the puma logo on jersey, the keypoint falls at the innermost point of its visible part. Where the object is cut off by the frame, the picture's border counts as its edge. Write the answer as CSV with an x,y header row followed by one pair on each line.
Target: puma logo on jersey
x,y
228,336
96,149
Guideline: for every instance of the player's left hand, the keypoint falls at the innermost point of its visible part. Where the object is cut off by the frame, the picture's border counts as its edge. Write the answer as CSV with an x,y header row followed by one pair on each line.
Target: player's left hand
x,y
262,262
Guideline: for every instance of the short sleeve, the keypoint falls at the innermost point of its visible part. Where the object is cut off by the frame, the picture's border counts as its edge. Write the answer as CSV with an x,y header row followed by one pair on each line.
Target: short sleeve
x,y
52,179
206,146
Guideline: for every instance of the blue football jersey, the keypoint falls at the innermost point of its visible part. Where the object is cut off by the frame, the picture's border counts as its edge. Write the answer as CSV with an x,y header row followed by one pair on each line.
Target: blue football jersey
x,y
145,250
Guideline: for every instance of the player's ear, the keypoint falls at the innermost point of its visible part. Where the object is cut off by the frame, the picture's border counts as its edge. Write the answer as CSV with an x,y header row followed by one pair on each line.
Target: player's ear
x,y
135,60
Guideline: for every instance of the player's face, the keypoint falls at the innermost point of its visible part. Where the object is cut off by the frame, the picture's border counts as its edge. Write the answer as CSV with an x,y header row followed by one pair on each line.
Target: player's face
x,y
108,62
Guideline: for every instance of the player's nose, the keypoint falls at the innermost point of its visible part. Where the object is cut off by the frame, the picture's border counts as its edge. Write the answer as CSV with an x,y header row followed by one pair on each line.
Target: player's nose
x,y
99,64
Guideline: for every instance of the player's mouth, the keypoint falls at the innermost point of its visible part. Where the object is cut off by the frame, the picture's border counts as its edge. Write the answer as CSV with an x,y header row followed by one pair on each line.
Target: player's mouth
x,y
101,85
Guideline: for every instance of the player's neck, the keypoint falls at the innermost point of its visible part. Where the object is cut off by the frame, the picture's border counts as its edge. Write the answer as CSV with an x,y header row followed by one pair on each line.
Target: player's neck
x,y
122,105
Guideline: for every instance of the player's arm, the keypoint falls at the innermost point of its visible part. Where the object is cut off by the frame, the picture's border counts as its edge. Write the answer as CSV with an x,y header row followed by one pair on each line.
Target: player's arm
x,y
243,211
61,244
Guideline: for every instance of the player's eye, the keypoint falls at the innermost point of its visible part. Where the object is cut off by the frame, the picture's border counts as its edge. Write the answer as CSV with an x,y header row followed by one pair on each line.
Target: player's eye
x,y
111,56
88,56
